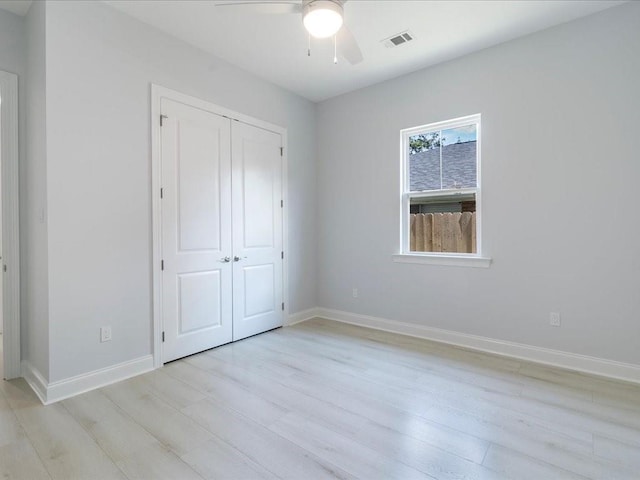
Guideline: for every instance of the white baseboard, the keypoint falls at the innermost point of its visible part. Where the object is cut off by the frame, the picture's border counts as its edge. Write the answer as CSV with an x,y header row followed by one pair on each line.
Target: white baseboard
x,y
56,391
302,316
35,380
572,361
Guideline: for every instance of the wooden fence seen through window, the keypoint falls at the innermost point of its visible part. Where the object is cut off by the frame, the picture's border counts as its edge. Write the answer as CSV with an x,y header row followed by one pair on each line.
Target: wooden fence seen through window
x,y
443,232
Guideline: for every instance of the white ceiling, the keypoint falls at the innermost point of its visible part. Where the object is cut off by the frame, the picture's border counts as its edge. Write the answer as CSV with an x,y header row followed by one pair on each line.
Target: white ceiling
x,y
274,47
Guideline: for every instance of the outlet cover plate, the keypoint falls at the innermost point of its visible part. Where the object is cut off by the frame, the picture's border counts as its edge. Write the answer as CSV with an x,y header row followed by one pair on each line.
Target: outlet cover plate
x,y
105,334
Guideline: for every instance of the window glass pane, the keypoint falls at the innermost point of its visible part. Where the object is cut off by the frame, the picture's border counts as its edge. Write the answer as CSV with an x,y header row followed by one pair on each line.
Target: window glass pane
x,y
424,162
443,224
459,157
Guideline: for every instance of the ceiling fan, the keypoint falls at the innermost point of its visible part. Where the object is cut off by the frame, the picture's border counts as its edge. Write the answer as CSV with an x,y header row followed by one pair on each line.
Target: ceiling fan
x,y
321,18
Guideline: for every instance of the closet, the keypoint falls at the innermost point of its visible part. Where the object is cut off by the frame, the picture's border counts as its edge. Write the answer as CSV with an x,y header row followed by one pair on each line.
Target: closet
x,y
221,229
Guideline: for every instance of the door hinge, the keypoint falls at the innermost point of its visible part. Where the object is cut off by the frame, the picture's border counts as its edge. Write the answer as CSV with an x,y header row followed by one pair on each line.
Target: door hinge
x,y
281,203
281,151
162,117
161,264
283,306
282,255
163,336
161,192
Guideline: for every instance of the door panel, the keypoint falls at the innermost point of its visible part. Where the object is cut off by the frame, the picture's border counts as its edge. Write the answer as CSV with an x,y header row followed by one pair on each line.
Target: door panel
x,y
260,296
257,230
199,301
198,188
256,193
196,230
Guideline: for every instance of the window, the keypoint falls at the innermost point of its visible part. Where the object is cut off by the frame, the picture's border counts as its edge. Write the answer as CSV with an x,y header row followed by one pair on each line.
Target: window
x,y
441,188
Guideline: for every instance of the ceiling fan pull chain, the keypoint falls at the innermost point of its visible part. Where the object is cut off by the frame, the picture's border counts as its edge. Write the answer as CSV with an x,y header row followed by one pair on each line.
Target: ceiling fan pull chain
x,y
335,49
309,47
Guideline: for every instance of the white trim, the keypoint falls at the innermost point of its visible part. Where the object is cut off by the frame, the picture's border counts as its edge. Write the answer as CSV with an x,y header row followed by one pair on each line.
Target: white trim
x,y
448,194
444,125
10,224
69,387
556,358
157,93
285,225
443,259
302,316
156,221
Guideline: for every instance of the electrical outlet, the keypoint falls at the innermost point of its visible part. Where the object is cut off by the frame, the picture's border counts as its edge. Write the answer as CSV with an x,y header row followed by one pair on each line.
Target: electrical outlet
x,y
554,319
355,293
105,334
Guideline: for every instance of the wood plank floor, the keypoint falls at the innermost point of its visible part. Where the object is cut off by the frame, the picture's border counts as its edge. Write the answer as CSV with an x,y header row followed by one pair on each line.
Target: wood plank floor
x,y
326,400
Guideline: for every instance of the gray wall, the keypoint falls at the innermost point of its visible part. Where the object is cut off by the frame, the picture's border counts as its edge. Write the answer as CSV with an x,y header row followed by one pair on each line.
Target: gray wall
x,y
100,64
558,205
560,113
12,43
33,195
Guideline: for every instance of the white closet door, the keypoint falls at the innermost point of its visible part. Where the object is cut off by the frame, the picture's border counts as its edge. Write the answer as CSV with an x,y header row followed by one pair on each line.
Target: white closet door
x,y
257,230
196,230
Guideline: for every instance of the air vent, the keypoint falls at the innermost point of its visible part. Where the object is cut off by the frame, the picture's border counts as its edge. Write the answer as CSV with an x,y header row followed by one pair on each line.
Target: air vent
x,y
398,39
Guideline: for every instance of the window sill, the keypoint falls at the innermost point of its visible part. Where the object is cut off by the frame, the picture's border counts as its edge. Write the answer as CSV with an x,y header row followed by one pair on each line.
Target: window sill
x,y
443,259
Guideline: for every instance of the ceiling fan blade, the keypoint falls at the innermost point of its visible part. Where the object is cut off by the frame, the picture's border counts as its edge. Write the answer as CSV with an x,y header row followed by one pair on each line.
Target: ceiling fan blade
x,y
348,46
265,6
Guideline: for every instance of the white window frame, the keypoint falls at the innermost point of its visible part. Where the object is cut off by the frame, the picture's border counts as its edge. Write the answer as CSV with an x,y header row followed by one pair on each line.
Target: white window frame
x,y
438,258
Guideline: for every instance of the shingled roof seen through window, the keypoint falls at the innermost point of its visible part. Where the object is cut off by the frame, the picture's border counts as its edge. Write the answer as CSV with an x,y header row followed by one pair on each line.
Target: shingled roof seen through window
x,y
458,167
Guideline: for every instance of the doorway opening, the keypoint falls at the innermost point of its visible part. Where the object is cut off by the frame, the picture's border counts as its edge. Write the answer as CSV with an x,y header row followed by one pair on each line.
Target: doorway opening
x,y
1,279
223,278
9,235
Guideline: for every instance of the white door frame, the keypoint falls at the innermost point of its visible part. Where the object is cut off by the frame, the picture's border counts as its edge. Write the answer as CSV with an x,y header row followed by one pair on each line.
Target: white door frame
x,y
10,224
157,94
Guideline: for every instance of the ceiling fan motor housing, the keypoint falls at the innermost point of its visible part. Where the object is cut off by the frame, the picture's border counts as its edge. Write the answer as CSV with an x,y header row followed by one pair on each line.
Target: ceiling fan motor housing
x,y
322,18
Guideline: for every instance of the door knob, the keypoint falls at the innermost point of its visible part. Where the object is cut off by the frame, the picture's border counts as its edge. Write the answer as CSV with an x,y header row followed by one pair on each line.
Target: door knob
x,y
236,259
225,259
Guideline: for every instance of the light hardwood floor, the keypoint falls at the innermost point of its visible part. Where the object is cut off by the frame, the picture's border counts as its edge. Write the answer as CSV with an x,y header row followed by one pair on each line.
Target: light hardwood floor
x,y
326,400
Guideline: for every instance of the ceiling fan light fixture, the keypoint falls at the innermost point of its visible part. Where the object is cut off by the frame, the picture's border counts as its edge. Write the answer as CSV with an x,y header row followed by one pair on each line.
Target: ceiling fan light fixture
x,y
322,18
